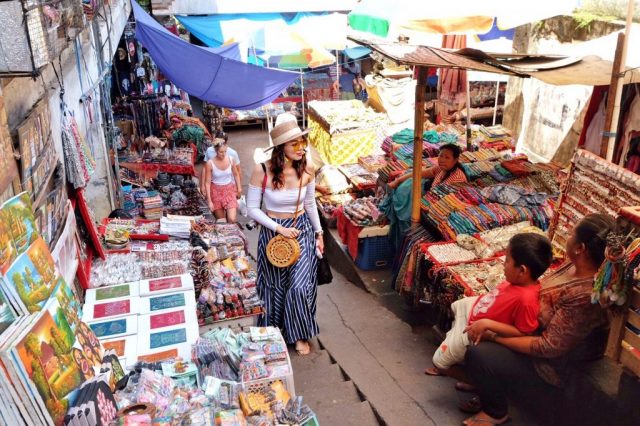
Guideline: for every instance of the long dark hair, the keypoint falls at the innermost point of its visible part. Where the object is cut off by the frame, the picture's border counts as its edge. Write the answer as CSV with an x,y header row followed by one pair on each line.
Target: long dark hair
x,y
456,151
277,166
592,231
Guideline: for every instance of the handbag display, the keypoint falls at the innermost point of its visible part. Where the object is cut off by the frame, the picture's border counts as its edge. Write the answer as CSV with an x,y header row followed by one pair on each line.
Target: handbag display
x,y
283,252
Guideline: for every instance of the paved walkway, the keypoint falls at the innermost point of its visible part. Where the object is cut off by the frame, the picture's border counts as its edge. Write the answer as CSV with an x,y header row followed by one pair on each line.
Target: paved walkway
x,y
367,365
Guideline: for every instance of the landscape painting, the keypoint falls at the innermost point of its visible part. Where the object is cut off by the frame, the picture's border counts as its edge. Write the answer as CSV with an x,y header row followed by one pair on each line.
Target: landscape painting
x,y
17,217
8,251
48,357
33,276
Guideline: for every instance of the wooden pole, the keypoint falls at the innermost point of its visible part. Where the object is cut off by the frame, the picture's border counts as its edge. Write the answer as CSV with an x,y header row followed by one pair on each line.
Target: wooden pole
x,y
495,105
418,129
612,114
468,100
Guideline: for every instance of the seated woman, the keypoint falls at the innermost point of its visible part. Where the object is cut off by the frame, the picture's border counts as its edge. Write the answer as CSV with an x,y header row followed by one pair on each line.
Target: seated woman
x,y
448,169
572,329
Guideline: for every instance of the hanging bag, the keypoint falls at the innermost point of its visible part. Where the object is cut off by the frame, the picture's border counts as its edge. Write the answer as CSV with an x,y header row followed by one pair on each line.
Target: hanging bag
x,y
282,252
324,271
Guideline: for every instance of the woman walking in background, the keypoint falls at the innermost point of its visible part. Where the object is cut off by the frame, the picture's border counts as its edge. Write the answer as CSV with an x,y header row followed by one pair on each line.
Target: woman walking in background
x,y
222,184
286,185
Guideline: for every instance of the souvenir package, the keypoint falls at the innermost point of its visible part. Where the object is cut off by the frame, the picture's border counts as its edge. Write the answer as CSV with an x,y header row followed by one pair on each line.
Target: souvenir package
x,y
102,294
112,308
115,327
168,284
364,211
115,269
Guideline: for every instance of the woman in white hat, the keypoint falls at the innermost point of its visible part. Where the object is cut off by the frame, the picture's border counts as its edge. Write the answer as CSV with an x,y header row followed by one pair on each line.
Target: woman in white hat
x,y
286,185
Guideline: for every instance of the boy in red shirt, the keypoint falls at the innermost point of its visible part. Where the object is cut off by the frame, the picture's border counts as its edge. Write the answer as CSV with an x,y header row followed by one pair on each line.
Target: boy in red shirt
x,y
510,310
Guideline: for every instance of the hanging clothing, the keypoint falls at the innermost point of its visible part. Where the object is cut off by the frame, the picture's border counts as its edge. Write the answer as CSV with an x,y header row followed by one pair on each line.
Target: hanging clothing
x,y
593,136
79,161
290,294
631,124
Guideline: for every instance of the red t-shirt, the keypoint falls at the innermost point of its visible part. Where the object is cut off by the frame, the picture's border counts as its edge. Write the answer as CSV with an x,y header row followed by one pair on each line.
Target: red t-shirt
x,y
510,304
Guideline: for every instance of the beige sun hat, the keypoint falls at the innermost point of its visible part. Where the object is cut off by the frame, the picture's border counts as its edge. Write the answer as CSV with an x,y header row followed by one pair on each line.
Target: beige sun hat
x,y
286,129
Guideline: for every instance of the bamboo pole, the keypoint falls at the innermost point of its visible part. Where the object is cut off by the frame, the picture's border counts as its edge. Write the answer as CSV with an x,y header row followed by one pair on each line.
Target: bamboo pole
x,y
468,101
612,114
416,190
495,105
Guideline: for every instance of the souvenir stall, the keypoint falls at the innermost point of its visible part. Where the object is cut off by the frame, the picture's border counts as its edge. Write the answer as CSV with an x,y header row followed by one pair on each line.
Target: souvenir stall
x,y
343,131
157,132
64,361
343,208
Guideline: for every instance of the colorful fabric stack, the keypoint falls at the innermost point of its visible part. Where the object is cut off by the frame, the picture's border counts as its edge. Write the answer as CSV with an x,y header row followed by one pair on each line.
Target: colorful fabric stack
x,y
497,137
459,209
152,207
372,163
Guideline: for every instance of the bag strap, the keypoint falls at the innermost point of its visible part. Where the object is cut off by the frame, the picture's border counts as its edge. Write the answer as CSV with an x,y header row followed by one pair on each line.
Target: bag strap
x,y
295,215
264,183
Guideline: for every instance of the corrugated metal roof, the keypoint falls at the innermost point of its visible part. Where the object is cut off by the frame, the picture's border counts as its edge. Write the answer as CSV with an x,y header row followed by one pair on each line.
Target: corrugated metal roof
x,y
470,59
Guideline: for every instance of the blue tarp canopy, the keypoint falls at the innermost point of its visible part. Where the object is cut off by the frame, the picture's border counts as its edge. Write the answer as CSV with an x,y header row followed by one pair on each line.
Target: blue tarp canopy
x,y
207,73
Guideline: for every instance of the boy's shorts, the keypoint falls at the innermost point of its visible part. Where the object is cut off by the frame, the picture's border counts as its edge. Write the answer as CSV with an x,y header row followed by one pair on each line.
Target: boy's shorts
x,y
454,346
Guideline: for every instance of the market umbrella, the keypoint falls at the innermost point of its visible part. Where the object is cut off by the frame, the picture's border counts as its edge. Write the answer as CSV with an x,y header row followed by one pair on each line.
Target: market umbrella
x,y
383,18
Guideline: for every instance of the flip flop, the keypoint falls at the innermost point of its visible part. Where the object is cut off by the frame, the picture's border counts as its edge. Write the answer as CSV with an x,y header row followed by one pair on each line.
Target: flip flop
x,y
432,371
490,421
471,406
465,387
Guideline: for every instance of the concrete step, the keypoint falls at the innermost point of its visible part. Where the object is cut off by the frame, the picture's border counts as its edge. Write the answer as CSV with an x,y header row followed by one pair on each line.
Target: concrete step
x,y
319,376
333,394
354,414
319,357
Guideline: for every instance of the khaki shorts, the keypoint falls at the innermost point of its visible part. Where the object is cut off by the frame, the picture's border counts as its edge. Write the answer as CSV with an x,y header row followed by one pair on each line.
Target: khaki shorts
x,y
454,346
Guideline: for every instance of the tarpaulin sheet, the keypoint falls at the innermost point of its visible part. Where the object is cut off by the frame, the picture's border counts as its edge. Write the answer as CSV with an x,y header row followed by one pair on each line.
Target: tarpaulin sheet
x,y
205,73
268,33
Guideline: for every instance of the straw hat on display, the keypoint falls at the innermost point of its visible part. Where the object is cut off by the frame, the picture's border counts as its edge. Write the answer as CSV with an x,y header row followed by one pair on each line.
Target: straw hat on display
x,y
286,129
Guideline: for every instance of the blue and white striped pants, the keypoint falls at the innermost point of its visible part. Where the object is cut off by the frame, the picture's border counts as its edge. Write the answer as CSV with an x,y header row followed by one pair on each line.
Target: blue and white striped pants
x,y
290,294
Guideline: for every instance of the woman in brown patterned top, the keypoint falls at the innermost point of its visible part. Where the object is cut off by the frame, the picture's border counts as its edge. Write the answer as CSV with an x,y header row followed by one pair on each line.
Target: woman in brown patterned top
x,y
569,326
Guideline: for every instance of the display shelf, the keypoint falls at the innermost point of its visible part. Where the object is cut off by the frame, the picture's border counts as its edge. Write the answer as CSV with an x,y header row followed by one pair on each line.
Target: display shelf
x,y
236,324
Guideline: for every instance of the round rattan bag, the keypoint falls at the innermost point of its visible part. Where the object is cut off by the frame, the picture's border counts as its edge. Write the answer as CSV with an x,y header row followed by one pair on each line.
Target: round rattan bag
x,y
283,252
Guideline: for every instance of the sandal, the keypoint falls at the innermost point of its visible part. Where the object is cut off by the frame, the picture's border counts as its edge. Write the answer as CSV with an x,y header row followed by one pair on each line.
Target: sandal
x,y
465,387
303,347
471,406
487,420
433,371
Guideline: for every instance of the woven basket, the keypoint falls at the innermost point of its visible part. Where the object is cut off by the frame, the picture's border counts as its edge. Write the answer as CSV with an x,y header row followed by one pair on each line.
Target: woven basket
x,y
283,252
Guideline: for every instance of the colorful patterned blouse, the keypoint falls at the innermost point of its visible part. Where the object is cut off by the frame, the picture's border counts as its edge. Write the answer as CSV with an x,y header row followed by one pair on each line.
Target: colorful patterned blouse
x,y
457,176
567,317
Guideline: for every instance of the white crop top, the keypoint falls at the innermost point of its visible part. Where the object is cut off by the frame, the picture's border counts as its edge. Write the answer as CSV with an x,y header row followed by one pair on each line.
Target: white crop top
x,y
222,177
283,201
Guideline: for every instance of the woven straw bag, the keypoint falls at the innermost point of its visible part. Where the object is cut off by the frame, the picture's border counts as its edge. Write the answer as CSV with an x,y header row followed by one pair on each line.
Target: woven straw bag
x,y
283,252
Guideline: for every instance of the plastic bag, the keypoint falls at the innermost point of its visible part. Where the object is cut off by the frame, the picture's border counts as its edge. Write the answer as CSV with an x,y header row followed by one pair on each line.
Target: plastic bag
x,y
242,206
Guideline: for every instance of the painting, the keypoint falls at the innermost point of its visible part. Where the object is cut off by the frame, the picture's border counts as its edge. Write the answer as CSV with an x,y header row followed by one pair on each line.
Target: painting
x,y
8,250
33,276
49,358
18,219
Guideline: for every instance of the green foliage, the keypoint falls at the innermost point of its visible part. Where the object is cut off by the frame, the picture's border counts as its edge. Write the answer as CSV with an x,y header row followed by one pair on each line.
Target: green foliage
x,y
65,329
67,382
607,9
40,380
584,19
